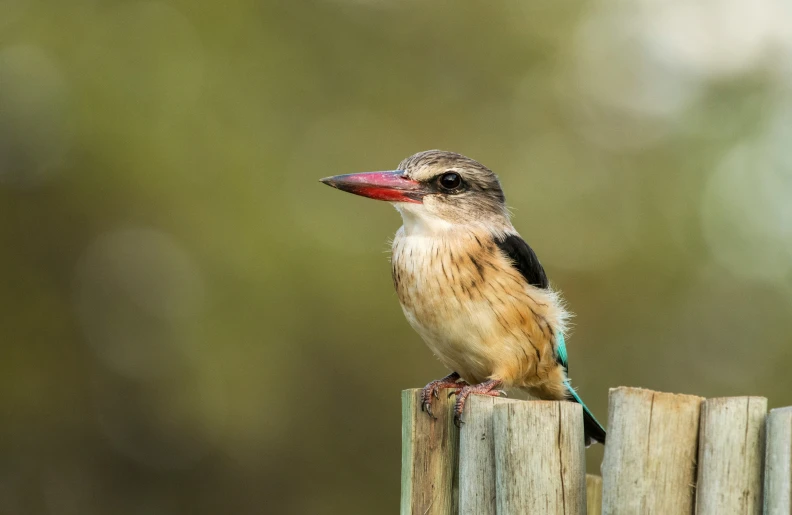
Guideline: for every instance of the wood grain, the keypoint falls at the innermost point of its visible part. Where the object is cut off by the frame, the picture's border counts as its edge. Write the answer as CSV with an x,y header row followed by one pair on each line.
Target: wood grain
x,y
429,456
593,494
731,456
778,463
650,457
477,456
539,458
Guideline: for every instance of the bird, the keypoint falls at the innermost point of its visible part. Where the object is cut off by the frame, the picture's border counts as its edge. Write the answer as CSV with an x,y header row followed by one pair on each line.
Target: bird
x,y
470,285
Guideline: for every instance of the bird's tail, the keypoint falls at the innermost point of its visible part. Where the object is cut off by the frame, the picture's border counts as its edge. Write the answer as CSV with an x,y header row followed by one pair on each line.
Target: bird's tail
x,y
592,429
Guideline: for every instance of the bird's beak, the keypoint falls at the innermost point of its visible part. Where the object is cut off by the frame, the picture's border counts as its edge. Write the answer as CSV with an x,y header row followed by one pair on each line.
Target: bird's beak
x,y
390,186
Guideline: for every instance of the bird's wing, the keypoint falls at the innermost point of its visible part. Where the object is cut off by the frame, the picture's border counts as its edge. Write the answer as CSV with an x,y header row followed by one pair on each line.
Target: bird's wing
x,y
524,259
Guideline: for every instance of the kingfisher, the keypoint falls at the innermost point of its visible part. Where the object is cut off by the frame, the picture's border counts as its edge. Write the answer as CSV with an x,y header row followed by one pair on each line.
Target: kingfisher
x,y
469,285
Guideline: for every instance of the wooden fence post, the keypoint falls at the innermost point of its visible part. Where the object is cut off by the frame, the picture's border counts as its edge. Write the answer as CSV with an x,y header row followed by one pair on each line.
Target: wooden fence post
x,y
778,463
593,494
539,458
429,456
731,452
477,457
517,457
650,456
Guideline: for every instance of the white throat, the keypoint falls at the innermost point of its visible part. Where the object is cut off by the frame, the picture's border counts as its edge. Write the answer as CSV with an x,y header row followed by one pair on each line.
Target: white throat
x,y
418,221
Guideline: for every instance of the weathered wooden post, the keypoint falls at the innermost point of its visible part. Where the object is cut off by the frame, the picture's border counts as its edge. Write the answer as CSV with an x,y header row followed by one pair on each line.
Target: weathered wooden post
x,y
731,455
593,494
539,458
515,457
778,463
650,457
477,457
429,456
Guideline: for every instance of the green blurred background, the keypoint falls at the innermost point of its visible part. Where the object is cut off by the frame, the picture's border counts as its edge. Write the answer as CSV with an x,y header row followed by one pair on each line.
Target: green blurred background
x,y
191,323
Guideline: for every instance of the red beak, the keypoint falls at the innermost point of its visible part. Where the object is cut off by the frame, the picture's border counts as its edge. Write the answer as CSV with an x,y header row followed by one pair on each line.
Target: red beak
x,y
389,186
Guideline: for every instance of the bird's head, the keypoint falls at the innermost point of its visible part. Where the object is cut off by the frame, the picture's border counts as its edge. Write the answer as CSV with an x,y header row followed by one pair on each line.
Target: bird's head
x,y
434,191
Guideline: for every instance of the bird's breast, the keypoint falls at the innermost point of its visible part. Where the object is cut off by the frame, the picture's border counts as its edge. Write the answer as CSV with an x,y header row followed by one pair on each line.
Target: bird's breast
x,y
471,307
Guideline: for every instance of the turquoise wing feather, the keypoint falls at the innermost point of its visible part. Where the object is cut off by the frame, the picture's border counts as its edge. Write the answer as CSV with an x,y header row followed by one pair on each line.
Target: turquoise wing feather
x,y
561,351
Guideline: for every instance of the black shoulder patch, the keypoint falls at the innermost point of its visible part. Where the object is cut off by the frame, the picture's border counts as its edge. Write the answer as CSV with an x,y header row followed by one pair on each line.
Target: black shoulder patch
x,y
524,260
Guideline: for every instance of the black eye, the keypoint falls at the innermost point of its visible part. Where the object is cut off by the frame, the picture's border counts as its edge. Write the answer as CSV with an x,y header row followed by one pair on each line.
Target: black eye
x,y
450,181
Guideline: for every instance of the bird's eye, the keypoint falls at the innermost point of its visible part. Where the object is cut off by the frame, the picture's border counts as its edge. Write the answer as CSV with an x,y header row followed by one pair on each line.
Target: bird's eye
x,y
450,181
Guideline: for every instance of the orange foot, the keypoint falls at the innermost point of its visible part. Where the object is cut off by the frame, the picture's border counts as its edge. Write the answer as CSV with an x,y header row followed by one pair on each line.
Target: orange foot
x,y
452,380
485,388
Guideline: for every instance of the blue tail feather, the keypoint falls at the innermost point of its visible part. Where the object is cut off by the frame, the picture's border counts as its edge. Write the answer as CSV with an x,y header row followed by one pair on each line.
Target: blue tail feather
x,y
592,429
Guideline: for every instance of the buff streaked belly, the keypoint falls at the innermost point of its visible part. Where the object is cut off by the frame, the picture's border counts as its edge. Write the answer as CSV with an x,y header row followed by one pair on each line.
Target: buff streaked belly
x,y
476,312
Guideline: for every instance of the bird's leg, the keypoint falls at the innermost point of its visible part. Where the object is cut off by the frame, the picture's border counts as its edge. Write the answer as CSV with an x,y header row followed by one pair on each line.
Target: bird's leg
x,y
485,388
452,380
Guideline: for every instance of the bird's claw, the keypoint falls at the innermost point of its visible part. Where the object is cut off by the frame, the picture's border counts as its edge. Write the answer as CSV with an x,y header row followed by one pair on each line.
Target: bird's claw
x,y
426,400
433,388
428,406
485,388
